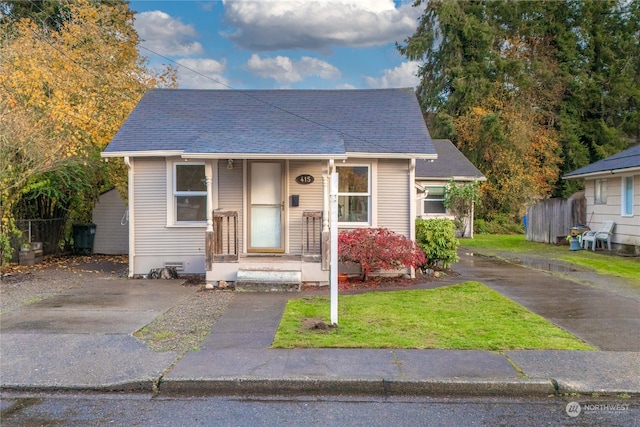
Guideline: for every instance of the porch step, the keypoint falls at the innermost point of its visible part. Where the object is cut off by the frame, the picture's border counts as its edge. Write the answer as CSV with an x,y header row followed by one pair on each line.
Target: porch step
x,y
268,280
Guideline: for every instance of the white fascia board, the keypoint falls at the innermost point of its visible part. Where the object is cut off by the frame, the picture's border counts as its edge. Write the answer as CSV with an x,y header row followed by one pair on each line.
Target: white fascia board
x,y
392,155
151,153
252,156
604,174
455,178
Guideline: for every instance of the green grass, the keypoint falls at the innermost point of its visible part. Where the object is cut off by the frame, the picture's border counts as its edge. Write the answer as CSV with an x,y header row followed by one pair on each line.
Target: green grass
x,y
601,262
463,316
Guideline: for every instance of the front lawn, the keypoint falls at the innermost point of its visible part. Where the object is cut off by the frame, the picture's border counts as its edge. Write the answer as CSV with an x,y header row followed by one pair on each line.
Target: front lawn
x,y
464,316
601,261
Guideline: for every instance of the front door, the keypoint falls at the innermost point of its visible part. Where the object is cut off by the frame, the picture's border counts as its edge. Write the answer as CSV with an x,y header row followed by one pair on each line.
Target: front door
x,y
266,206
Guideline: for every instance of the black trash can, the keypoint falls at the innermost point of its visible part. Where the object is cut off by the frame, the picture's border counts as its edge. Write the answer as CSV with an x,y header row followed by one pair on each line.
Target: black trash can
x,y
83,236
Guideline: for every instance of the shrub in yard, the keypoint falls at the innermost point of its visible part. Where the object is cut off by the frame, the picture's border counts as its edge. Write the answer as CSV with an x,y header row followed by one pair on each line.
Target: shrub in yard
x,y
378,249
437,237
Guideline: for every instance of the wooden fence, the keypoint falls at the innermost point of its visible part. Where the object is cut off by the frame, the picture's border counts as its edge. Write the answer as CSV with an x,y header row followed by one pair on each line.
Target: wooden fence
x,y
551,220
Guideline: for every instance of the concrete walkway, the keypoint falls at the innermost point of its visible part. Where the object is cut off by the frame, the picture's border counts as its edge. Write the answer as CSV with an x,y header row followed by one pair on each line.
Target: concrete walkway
x,y
235,357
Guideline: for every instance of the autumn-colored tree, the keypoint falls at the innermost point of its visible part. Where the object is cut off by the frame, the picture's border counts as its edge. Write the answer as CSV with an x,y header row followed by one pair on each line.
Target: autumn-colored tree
x,y
70,74
529,90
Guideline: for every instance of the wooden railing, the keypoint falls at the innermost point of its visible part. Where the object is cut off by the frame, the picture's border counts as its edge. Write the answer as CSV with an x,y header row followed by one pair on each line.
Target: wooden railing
x,y
223,243
225,235
312,236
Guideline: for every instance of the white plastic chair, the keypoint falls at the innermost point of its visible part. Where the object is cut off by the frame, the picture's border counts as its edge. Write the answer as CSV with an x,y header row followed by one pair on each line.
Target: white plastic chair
x,y
602,235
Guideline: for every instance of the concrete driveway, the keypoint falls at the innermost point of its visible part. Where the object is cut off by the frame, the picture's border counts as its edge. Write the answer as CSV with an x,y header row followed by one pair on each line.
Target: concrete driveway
x,y
98,307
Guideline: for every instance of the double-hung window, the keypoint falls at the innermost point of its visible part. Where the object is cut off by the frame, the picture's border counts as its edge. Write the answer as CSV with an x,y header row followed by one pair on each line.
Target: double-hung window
x,y
600,196
627,196
434,200
354,194
189,192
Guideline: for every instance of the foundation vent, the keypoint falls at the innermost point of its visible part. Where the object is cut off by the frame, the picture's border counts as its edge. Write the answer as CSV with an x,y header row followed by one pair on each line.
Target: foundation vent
x,y
179,266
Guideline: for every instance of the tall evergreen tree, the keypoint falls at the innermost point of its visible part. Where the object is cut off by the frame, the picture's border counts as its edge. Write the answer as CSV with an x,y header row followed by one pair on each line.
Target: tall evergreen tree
x,y
553,83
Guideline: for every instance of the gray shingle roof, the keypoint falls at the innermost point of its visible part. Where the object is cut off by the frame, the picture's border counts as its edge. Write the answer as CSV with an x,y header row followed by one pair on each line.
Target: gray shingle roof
x,y
629,158
270,122
450,162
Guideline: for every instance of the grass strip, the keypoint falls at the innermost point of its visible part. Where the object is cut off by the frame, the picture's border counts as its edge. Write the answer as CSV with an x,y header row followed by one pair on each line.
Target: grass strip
x,y
468,315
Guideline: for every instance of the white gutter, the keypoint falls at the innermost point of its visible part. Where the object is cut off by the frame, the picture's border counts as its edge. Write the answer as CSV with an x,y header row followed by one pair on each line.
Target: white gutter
x,y
422,156
149,153
605,173
132,215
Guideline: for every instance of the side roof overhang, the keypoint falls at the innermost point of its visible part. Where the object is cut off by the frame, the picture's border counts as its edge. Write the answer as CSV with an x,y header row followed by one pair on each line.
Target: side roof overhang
x,y
624,162
450,164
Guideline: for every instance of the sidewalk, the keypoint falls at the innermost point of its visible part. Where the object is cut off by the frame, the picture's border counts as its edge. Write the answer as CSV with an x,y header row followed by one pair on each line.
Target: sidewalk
x,y
235,357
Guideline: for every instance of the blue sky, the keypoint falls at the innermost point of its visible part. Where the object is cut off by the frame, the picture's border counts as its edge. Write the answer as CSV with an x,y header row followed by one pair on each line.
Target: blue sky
x,y
280,44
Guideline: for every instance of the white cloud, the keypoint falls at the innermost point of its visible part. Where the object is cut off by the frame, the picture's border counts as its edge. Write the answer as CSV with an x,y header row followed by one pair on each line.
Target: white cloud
x,y
284,70
206,74
302,24
165,35
404,75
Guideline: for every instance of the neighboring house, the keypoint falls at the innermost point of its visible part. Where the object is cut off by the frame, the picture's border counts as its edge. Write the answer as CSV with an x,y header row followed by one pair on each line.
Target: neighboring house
x,y
112,229
612,191
432,177
229,182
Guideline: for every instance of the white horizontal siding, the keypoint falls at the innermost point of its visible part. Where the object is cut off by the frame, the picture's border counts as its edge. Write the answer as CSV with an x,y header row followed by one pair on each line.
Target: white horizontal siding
x,y
627,228
393,196
154,240
231,192
311,198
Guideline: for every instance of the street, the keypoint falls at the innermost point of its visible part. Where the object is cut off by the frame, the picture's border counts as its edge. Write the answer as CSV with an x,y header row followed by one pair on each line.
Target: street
x,y
143,409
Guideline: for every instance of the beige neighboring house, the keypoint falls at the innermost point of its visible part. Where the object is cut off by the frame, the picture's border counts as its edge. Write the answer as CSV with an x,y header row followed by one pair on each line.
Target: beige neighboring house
x,y
111,217
612,192
432,177
235,183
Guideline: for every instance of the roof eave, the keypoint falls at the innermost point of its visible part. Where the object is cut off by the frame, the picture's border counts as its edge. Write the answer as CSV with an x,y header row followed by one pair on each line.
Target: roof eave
x,y
604,173
447,178
403,156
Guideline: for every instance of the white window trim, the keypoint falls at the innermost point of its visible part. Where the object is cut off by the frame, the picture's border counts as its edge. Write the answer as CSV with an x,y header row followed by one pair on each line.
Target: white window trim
x,y
623,197
372,205
172,194
425,200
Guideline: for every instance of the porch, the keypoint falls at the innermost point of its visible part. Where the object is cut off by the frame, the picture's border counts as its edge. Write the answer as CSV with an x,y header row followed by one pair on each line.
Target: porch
x,y
225,262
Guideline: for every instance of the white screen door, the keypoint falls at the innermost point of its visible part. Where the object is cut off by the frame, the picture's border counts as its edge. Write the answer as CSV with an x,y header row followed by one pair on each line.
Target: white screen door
x,y
266,206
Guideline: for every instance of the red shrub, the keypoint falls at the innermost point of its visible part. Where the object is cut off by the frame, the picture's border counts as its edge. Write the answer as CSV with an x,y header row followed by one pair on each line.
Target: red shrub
x,y
378,249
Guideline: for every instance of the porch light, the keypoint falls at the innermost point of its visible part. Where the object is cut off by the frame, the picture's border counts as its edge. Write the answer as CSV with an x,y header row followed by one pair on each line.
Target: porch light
x,y
230,164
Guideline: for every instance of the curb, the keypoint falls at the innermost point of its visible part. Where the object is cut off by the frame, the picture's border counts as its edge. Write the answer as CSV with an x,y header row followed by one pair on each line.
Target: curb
x,y
382,387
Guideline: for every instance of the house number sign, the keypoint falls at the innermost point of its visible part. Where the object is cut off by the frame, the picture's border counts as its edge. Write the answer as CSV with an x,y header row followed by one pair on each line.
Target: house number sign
x,y
304,179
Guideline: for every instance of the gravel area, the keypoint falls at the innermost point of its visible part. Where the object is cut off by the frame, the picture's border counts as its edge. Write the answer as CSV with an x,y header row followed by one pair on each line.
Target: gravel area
x,y
180,329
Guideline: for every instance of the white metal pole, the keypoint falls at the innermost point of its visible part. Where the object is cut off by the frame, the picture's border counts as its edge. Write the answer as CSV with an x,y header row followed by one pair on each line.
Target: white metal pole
x,y
333,279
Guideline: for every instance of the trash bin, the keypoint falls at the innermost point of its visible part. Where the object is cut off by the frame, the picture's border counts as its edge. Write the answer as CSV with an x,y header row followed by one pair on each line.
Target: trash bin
x,y
83,236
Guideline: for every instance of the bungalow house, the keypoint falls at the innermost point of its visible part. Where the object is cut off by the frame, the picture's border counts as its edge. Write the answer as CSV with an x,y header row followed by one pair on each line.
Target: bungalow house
x,y
612,191
234,183
432,176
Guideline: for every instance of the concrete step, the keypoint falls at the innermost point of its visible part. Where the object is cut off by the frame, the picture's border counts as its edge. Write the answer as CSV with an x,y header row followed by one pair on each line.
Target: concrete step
x,y
268,280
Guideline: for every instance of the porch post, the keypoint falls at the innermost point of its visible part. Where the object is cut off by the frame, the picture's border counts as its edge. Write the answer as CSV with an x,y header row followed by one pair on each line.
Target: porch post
x,y
412,206
333,274
326,238
208,236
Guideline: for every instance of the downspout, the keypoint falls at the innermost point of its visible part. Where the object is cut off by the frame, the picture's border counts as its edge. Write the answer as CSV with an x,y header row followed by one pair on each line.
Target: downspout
x,y
132,215
412,206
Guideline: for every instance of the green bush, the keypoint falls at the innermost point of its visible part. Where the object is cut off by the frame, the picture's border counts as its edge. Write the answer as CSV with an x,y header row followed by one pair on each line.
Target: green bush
x,y
437,237
497,224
